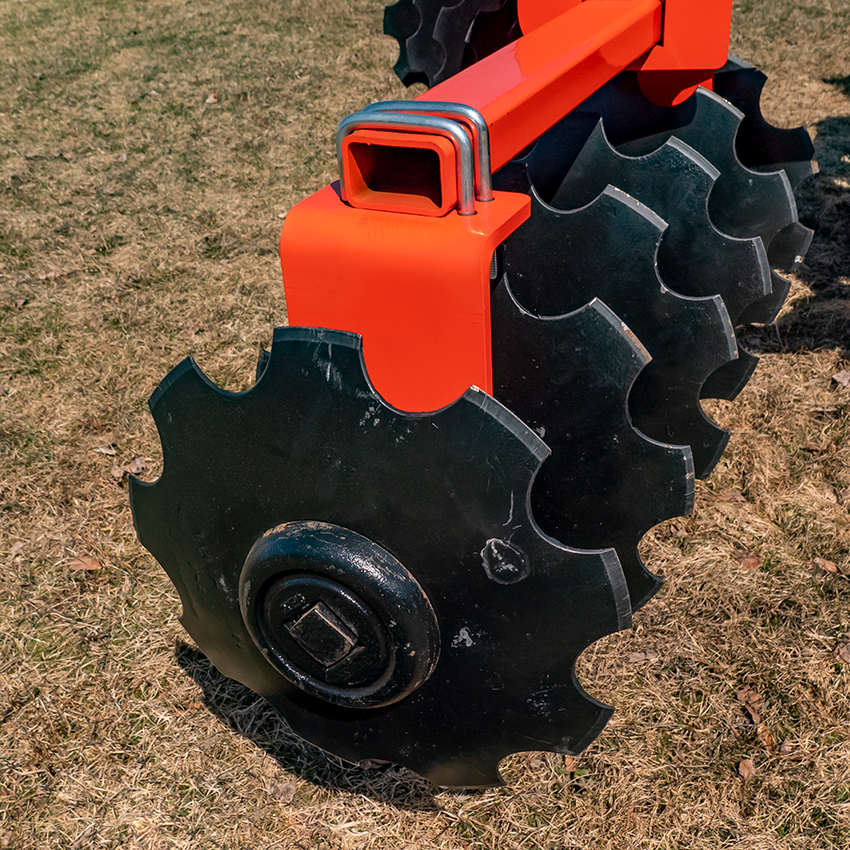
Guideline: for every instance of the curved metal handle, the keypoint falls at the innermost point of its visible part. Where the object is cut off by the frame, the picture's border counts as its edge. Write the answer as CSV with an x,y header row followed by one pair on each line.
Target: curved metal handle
x,y
481,133
425,123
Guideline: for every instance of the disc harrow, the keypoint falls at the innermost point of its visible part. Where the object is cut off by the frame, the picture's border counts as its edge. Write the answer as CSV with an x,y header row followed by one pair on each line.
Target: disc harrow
x,y
688,338
760,144
505,315
551,371
363,628
726,127
711,200
745,201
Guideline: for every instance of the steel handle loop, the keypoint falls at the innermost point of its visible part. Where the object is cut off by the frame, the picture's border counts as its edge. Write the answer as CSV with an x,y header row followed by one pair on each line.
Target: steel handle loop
x,y
481,133
428,124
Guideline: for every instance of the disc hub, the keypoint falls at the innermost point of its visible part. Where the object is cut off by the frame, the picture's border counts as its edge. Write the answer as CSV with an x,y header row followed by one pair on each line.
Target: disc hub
x,y
337,615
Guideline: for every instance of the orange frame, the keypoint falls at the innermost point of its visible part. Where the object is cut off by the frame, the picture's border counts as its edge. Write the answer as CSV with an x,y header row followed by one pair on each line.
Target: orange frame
x,y
417,287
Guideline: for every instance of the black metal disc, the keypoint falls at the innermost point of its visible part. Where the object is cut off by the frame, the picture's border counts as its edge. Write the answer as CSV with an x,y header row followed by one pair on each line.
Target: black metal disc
x,y
695,258
605,484
445,494
674,181
745,201
760,144
559,260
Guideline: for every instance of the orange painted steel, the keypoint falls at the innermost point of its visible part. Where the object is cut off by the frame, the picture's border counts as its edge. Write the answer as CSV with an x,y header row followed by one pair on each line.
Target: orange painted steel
x,y
409,123
529,85
400,172
417,289
572,49
694,43
695,32
534,13
696,37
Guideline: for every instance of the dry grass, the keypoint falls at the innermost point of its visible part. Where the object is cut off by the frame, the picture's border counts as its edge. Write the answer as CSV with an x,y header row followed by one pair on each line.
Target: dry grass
x,y
135,213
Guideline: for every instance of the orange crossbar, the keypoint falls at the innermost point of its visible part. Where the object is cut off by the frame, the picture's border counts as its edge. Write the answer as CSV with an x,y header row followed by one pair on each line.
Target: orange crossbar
x,y
418,287
529,85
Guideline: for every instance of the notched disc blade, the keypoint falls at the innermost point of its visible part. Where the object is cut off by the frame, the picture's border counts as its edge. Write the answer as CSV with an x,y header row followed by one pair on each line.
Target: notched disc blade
x,y
445,493
568,377
432,36
607,250
744,202
760,144
490,31
674,181
786,251
412,24
694,258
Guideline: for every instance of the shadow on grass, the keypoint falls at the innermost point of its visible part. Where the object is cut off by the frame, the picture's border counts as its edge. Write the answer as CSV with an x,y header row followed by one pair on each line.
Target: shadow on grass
x,y
250,716
842,83
822,320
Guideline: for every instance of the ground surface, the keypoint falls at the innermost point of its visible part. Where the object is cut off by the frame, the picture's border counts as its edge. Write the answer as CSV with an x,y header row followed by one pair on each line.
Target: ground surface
x,y
148,153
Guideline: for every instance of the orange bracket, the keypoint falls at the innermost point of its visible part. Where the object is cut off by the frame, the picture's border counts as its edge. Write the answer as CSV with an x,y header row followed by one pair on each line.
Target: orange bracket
x,y
694,43
695,37
534,13
417,288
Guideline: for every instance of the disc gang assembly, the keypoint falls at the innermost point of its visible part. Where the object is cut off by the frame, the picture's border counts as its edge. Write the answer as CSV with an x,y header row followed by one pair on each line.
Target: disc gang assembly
x,y
503,318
